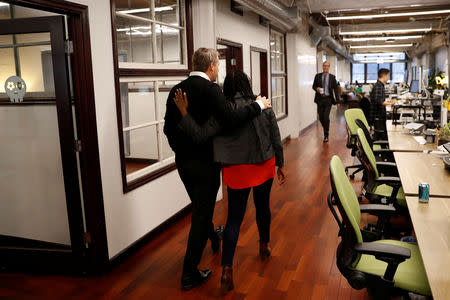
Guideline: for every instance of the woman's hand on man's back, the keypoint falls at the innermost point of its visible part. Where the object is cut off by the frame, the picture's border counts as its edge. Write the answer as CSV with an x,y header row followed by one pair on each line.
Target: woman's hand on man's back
x,y
281,175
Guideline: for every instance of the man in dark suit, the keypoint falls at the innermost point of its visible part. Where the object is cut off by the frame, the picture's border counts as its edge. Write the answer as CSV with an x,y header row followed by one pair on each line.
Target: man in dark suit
x,y
327,94
195,162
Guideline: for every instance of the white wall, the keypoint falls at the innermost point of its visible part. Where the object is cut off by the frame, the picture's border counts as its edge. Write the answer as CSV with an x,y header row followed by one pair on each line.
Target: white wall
x,y
343,70
241,29
301,67
132,215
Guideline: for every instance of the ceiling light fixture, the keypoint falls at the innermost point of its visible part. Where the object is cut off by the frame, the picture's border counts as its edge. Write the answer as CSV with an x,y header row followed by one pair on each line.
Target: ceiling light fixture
x,y
379,61
142,10
380,46
380,54
404,14
383,38
385,31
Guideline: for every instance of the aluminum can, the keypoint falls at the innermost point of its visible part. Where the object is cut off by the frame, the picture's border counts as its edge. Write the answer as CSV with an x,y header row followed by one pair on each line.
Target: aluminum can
x,y
424,192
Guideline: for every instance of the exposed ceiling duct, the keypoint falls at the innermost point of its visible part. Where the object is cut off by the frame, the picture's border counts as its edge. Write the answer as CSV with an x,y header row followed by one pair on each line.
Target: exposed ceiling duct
x,y
288,19
322,33
281,16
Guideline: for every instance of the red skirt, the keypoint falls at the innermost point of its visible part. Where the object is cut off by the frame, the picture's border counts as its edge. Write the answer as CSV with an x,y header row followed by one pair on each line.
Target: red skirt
x,y
245,176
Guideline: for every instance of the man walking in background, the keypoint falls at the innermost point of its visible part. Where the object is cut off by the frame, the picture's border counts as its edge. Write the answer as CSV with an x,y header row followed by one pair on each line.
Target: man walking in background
x,y
327,94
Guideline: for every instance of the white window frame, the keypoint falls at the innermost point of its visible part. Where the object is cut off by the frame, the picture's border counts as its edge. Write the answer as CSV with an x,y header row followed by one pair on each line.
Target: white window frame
x,y
281,98
159,123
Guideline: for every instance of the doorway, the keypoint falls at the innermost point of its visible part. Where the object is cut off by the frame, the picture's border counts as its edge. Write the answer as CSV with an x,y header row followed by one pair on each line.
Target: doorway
x,y
48,218
230,57
259,71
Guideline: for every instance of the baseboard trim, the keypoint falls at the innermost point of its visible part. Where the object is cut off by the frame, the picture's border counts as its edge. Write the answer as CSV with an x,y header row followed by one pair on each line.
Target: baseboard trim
x,y
304,130
141,242
286,140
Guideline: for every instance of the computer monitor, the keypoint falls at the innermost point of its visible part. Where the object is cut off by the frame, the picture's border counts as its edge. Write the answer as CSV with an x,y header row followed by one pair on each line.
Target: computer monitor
x,y
414,86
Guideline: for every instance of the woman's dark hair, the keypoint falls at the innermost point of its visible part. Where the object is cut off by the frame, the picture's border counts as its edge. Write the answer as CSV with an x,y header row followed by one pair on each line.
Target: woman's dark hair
x,y
235,82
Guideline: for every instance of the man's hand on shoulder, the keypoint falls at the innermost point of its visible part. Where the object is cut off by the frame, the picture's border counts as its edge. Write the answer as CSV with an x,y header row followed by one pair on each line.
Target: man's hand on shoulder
x,y
263,102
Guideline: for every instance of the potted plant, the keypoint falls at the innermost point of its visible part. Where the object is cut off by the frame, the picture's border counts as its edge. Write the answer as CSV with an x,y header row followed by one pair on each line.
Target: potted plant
x,y
436,81
444,134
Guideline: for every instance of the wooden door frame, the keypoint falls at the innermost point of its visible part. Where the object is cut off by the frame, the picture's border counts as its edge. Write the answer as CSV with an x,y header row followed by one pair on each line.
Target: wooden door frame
x,y
97,260
263,67
234,46
55,26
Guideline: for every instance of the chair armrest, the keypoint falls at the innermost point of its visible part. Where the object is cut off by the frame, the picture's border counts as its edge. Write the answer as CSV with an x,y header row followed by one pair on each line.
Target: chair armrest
x,y
378,209
386,163
379,131
381,142
389,180
387,168
383,250
392,254
383,150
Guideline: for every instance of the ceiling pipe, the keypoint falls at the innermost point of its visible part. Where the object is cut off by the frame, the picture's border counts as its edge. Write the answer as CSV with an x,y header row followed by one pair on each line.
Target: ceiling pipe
x,y
323,34
288,19
281,16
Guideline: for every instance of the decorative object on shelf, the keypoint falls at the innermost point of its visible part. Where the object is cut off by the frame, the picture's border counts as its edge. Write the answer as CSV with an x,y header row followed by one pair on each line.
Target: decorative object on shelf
x,y
430,136
437,80
15,88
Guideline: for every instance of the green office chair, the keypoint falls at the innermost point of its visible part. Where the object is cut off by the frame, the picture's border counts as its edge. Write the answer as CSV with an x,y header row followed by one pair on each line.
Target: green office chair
x,y
383,267
351,116
380,148
379,189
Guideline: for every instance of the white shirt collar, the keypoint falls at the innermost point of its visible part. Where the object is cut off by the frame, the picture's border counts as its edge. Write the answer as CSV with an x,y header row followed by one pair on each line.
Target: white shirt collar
x,y
199,73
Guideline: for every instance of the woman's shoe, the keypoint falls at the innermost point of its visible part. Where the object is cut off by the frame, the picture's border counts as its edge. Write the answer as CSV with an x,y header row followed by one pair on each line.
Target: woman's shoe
x,y
226,282
264,250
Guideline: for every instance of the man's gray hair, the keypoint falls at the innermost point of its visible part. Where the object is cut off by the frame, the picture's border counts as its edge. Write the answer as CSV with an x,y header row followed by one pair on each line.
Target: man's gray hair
x,y
203,58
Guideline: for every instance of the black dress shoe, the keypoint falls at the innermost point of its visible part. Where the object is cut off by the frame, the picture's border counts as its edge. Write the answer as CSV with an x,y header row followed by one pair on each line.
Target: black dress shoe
x,y
325,139
217,238
189,281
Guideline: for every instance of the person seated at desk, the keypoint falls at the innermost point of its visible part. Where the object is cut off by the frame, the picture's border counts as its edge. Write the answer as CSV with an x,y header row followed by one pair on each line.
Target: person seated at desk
x,y
378,99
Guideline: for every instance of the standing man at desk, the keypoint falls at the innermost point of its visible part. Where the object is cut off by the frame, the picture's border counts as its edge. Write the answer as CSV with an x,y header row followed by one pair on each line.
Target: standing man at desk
x,y
378,97
327,94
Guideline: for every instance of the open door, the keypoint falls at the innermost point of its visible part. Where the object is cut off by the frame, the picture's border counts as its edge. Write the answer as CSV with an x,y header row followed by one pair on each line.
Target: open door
x,y
41,213
230,57
259,72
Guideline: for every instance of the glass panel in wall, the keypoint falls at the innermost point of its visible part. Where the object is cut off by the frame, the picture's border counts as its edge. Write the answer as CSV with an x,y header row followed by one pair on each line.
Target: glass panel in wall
x,y
398,71
133,40
372,73
358,73
146,36
169,41
7,67
143,105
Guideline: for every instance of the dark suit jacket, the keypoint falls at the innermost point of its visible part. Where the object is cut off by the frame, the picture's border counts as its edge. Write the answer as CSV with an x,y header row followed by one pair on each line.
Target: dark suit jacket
x,y
332,87
206,100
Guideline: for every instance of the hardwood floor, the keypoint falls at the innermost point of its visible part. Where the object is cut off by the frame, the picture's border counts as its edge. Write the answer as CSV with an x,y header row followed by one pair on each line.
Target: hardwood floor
x,y
304,241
